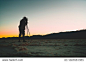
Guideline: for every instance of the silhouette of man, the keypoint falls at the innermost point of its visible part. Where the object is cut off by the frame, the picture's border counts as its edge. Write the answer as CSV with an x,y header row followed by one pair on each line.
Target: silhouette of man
x,y
22,25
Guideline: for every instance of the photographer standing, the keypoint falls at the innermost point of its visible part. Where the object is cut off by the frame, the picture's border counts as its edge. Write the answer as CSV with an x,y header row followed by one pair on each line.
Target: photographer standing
x,y
22,25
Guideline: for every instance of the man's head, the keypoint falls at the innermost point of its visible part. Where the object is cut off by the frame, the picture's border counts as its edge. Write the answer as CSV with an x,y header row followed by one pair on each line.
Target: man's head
x,y
26,20
24,17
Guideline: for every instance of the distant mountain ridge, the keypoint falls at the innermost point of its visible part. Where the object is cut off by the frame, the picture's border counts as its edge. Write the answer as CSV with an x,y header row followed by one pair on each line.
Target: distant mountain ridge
x,y
79,34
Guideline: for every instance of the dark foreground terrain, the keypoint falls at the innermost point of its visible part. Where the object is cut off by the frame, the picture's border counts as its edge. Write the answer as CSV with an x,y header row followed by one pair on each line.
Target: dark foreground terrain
x,y
43,48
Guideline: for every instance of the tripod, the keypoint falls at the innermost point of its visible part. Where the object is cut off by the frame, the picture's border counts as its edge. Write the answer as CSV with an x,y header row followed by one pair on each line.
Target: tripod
x,y
28,30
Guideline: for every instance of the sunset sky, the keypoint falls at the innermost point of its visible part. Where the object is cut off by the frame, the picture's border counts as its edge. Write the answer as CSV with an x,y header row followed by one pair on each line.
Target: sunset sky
x,y
44,16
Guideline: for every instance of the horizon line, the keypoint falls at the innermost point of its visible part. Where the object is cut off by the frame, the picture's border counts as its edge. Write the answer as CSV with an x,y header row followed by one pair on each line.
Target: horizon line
x,y
47,33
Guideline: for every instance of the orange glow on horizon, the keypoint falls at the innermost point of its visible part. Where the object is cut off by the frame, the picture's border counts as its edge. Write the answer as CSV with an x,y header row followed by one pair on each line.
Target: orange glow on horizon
x,y
15,34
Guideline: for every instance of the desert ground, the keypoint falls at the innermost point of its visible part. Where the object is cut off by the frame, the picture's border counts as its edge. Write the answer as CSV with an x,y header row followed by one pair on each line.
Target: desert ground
x,y
43,48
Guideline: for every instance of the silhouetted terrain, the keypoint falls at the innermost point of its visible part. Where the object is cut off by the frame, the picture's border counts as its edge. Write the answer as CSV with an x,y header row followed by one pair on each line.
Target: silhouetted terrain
x,y
79,34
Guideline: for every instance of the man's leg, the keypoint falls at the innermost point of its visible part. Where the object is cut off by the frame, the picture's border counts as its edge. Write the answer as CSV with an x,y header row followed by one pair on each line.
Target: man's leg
x,y
23,38
23,35
19,34
19,37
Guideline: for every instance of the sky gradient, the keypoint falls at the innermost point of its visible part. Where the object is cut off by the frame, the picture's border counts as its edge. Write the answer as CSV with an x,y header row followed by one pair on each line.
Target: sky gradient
x,y
44,16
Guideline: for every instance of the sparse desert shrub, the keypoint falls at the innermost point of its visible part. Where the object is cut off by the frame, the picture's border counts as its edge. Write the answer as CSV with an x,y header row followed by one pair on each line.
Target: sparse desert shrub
x,y
65,45
57,44
23,44
20,48
79,44
46,41
14,45
76,45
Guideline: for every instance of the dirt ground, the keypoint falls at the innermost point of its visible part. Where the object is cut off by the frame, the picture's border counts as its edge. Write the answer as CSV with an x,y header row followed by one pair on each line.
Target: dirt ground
x,y
43,48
